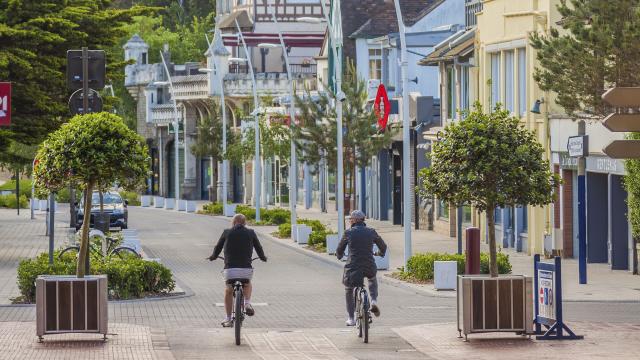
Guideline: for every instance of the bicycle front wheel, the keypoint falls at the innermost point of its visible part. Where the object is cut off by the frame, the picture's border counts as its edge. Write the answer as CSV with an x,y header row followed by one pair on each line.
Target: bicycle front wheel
x,y
239,315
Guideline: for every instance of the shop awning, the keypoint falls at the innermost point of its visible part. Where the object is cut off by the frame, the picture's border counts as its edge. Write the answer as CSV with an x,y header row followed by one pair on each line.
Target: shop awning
x,y
243,18
450,50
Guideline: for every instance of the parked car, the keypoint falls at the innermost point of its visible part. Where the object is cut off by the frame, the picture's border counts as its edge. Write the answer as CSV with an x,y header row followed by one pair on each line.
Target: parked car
x,y
114,205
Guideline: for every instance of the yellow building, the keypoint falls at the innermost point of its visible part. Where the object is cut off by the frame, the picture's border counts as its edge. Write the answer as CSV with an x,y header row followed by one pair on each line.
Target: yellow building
x,y
506,63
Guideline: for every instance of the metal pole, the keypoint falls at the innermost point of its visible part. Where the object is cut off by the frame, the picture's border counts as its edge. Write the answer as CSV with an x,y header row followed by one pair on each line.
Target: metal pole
x,y
582,214
336,48
293,181
176,168
33,188
18,191
406,187
256,129
52,211
459,231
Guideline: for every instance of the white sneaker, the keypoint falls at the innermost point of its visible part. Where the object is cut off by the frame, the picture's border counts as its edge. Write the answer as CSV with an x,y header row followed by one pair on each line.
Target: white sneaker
x,y
350,322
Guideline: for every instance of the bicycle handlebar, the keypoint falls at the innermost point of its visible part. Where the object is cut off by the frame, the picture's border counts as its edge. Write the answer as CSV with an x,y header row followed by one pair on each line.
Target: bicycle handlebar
x,y
222,257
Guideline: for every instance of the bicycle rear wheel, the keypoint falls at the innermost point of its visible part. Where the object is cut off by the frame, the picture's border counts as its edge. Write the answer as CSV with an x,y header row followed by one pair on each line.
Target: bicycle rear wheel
x,y
69,250
239,299
121,251
364,323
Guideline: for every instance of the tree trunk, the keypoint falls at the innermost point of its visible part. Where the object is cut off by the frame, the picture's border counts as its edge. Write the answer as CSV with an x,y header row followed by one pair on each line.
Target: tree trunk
x,y
84,240
491,222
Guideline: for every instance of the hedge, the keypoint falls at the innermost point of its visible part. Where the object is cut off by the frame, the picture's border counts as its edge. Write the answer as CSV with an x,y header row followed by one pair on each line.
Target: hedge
x,y
128,277
132,197
9,201
212,209
420,266
25,187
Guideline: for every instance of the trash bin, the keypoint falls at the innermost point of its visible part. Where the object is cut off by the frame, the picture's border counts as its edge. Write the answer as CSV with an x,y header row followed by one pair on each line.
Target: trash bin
x,y
101,221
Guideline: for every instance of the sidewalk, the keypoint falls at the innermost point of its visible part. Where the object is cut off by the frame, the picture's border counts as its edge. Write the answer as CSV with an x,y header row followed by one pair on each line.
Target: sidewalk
x,y
604,284
602,341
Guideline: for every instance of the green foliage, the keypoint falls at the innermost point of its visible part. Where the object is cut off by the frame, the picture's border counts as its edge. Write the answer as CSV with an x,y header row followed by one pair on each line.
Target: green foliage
x,y
36,36
317,130
598,49
95,149
284,230
315,225
488,161
213,208
275,140
420,266
64,195
129,277
275,216
9,201
632,184
25,187
132,197
247,211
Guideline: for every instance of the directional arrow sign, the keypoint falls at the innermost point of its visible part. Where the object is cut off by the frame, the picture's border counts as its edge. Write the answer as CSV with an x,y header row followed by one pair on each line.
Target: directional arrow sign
x,y
622,122
622,96
623,149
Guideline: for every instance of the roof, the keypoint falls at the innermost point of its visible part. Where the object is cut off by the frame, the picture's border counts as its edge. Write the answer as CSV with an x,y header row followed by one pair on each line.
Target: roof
x,y
217,46
243,18
135,41
456,45
382,20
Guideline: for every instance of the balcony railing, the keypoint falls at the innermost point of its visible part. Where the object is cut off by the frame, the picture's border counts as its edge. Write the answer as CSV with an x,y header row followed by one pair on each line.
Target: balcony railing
x,y
472,7
296,69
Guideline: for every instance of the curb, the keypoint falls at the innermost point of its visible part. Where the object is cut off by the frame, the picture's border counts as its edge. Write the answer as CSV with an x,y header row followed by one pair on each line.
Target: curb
x,y
337,263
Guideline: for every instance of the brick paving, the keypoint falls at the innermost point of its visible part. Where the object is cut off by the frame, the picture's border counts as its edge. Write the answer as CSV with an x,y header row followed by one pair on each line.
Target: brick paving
x,y
602,340
302,316
126,341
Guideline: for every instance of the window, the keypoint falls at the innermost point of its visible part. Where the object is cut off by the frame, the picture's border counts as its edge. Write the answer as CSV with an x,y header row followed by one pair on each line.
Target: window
x,y
160,96
451,93
464,102
495,79
466,214
375,64
522,81
509,89
443,210
525,222
144,58
498,216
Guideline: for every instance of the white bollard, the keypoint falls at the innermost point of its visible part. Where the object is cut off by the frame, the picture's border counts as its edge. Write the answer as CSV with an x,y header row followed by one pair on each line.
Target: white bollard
x,y
382,262
445,274
332,243
230,210
145,200
158,202
302,234
169,203
182,205
191,206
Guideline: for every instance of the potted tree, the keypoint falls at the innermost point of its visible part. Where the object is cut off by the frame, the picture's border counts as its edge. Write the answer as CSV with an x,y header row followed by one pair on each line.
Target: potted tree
x,y
490,160
90,150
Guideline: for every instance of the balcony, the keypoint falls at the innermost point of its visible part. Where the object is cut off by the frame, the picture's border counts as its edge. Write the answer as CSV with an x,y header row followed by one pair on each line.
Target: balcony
x,y
298,70
163,114
268,84
471,8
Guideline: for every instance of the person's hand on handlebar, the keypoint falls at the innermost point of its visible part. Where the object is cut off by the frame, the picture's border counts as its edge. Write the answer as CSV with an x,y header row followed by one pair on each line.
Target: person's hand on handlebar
x,y
211,258
264,259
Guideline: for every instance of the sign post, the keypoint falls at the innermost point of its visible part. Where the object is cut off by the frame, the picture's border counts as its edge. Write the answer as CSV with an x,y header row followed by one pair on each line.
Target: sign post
x,y
5,103
548,303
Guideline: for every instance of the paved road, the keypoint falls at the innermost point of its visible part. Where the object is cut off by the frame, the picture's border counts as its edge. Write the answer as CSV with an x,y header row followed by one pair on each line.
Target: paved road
x,y
302,312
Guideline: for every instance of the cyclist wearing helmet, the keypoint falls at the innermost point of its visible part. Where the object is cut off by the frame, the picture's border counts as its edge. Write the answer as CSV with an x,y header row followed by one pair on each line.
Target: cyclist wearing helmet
x,y
360,262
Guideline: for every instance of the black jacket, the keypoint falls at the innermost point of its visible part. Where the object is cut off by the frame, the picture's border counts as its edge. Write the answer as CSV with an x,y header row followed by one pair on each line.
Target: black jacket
x,y
360,263
238,244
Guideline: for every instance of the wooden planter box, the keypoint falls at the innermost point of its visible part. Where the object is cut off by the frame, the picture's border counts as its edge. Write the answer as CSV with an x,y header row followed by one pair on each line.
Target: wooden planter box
x,y
67,304
502,304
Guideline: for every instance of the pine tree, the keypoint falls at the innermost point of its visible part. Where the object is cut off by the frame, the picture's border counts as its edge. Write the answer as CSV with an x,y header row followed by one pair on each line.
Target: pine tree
x,y
597,49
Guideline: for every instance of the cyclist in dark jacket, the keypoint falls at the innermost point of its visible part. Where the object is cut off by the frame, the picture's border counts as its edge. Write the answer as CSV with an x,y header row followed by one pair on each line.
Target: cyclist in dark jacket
x,y
360,262
238,244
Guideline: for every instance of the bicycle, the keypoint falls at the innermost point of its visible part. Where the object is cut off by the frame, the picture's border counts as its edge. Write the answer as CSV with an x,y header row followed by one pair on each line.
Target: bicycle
x,y
363,312
113,248
237,311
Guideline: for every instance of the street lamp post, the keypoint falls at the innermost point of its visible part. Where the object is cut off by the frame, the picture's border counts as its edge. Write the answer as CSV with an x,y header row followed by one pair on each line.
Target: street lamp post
x,y
175,129
335,35
224,125
293,183
406,198
256,117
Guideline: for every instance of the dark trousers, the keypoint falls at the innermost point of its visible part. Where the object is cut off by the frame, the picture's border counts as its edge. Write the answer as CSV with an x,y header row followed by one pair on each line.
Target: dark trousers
x,y
351,301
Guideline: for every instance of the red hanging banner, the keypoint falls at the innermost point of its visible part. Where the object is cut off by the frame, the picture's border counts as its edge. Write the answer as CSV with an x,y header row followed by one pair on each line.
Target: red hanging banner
x,y
5,103
382,107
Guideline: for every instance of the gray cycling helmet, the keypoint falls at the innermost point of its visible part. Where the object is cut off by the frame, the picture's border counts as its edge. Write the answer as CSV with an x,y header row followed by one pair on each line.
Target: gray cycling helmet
x,y
358,215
